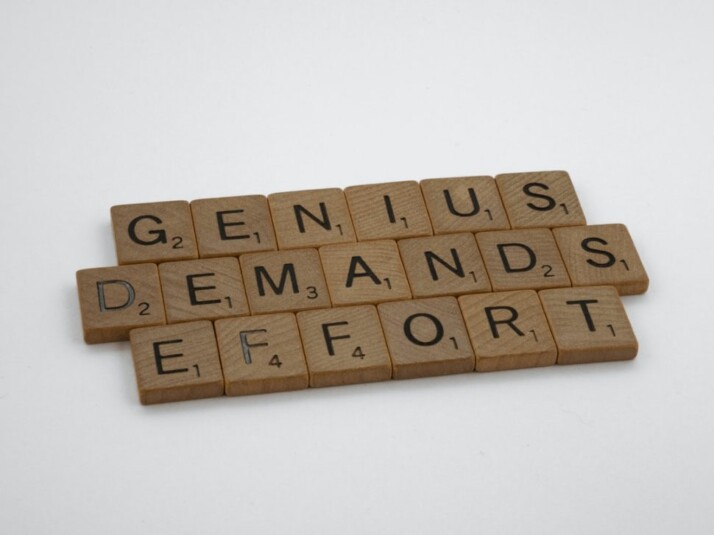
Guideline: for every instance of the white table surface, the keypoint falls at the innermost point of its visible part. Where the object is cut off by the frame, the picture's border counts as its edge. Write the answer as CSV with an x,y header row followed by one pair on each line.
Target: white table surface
x,y
106,103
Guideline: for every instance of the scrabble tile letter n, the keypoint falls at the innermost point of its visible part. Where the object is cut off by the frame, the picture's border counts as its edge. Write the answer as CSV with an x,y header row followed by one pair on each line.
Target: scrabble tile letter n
x,y
114,300
311,218
444,265
543,199
153,232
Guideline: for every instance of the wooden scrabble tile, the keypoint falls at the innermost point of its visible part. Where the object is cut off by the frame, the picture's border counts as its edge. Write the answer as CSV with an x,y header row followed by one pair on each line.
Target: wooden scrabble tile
x,y
344,346
444,265
153,232
464,204
176,362
522,259
209,288
508,330
311,218
364,273
114,300
426,337
231,226
540,199
602,255
261,354
284,281
589,324
388,211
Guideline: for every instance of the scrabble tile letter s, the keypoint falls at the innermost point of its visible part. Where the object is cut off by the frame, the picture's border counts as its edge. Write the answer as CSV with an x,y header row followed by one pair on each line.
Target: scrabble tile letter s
x,y
540,199
602,254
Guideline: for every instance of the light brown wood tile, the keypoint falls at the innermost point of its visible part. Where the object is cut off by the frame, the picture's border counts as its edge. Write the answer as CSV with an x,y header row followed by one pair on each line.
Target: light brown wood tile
x,y
508,330
344,346
114,300
589,324
176,362
153,232
426,337
209,288
390,210
284,281
540,199
522,259
261,354
311,218
364,273
444,265
602,255
231,226
464,204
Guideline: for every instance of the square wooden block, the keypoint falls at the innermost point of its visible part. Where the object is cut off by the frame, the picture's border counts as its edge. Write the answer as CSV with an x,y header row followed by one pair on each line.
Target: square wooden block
x,y
426,337
444,265
209,288
311,218
153,232
540,199
508,330
344,346
231,226
284,281
522,259
364,273
388,211
261,354
176,362
114,300
464,204
602,255
589,324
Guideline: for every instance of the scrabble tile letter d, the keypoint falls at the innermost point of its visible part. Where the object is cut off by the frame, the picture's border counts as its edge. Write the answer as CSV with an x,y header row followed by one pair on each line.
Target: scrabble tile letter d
x,y
114,300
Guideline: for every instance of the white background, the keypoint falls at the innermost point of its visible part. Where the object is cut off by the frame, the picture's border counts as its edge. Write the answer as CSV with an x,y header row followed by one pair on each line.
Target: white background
x,y
105,103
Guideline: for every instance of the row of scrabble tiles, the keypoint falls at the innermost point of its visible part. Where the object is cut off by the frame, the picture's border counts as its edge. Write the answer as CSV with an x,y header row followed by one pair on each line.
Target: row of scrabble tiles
x,y
394,340
115,300
231,226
